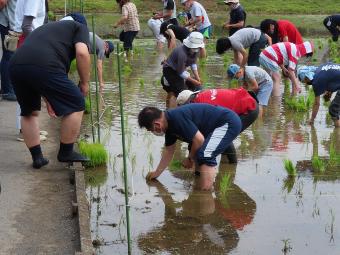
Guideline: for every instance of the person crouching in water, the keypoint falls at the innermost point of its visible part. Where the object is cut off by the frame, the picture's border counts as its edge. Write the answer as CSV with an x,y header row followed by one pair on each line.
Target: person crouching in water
x,y
175,76
255,79
239,100
209,130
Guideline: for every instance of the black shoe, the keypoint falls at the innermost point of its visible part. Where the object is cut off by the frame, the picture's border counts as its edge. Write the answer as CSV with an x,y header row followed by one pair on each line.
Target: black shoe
x,y
40,162
9,97
72,157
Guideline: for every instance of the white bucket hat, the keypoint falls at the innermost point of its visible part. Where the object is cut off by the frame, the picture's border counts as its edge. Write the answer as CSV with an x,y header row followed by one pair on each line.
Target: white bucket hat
x,y
231,1
185,96
194,40
183,1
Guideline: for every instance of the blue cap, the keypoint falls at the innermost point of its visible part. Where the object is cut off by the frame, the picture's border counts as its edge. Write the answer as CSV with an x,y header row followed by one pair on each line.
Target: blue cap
x,y
111,48
76,16
306,72
232,70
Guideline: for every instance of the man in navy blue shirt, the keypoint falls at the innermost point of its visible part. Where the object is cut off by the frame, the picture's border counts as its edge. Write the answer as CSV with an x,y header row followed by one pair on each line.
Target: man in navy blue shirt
x,y
325,80
208,129
237,16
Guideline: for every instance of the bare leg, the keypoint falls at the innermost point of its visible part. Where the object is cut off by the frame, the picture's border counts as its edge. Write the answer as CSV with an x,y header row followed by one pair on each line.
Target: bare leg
x,y
207,177
276,84
70,126
260,111
337,123
30,129
171,101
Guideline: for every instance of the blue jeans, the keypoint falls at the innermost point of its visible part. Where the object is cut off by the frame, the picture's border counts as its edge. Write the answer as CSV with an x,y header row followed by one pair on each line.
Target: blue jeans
x,y
6,85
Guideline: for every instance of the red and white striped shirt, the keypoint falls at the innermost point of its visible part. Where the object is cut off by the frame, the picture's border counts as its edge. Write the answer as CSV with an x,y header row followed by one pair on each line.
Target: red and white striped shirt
x,y
287,53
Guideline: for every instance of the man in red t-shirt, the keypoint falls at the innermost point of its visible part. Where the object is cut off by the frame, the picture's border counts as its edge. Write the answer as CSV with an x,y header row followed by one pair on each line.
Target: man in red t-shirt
x,y
239,100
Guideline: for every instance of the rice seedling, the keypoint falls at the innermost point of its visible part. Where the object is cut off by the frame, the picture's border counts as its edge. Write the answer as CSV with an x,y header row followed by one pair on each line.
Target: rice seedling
x,y
95,152
175,165
233,83
286,246
87,105
288,184
202,62
334,157
95,177
225,184
127,70
133,163
141,83
300,103
290,168
318,164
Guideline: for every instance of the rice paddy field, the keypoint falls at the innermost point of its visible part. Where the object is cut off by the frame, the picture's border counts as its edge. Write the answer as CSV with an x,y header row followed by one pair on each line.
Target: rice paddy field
x,y
261,205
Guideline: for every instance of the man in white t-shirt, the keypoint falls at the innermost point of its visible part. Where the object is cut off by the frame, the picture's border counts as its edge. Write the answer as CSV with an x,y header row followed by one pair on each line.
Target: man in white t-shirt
x,y
199,17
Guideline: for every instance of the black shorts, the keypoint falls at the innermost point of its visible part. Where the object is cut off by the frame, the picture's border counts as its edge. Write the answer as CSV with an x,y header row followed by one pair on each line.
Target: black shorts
x,y
31,83
334,108
255,50
174,83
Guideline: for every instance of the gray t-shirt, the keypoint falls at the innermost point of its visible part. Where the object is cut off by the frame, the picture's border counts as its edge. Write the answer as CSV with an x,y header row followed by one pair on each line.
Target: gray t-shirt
x,y
198,10
180,58
257,73
7,14
100,46
244,38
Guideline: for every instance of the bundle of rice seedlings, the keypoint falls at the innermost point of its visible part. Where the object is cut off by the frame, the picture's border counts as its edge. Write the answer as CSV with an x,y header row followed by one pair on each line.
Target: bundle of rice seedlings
x,y
318,164
87,106
290,168
225,184
95,152
175,165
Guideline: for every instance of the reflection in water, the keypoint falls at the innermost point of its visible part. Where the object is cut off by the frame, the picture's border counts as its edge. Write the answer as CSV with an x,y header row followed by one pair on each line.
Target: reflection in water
x,y
203,223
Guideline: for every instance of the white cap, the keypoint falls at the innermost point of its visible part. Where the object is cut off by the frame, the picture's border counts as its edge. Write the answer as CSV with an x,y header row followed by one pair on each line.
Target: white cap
x,y
184,96
183,1
194,40
231,1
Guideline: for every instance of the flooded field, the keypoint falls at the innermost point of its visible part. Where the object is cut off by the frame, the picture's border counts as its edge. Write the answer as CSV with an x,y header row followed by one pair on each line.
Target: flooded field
x,y
261,212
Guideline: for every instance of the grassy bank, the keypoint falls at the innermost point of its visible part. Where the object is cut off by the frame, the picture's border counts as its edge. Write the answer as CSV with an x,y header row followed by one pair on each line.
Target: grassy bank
x,y
325,7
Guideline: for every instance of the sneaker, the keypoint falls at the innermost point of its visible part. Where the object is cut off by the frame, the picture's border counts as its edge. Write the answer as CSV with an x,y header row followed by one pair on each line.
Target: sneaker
x,y
9,97
43,132
40,162
72,157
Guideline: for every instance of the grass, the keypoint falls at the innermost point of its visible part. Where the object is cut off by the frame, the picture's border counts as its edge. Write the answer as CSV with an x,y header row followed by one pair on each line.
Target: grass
x,y
141,83
95,152
127,70
225,184
318,164
290,168
334,49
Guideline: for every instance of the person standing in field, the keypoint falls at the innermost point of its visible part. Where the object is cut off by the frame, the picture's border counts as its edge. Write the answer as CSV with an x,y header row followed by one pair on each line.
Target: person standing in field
x,y
332,23
130,23
281,31
237,18
284,56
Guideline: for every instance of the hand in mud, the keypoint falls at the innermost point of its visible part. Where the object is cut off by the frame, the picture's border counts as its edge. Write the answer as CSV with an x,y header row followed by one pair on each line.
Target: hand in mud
x,y
151,175
187,163
327,96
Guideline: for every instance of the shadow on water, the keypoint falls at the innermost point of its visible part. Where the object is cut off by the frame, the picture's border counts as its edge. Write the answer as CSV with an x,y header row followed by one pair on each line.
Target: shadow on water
x,y
261,207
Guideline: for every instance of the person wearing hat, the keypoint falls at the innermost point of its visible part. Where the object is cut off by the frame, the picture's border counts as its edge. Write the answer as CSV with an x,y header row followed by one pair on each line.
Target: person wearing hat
x,y
281,31
332,23
199,17
237,18
175,75
255,79
103,49
325,79
241,40
242,102
209,130
284,56
38,69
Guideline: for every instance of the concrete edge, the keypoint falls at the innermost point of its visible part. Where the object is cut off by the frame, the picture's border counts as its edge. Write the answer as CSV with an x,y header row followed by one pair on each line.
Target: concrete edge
x,y
86,247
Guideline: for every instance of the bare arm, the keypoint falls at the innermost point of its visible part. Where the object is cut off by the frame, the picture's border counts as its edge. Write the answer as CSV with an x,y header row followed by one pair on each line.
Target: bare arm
x,y
237,25
245,57
285,39
315,109
197,143
269,39
167,156
253,85
121,21
83,66
172,40
194,81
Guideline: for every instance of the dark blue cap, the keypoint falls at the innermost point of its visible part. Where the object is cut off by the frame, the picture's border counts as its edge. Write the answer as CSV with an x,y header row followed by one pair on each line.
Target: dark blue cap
x,y
76,16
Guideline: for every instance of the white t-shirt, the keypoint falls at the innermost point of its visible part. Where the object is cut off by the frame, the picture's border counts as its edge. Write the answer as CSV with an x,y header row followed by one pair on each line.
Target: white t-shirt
x,y
34,8
198,10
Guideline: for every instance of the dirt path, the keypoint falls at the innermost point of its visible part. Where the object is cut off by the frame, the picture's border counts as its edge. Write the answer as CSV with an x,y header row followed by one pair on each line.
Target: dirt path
x,y
35,205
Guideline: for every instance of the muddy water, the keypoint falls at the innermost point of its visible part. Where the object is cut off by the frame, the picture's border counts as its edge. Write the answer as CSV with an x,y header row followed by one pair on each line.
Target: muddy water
x,y
263,211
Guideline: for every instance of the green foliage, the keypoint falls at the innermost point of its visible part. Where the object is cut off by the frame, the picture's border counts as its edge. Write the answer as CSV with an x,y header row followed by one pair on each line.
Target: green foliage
x,y
334,157
334,51
233,84
175,165
51,16
290,168
95,152
73,66
87,106
318,164
225,184
141,82
127,70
